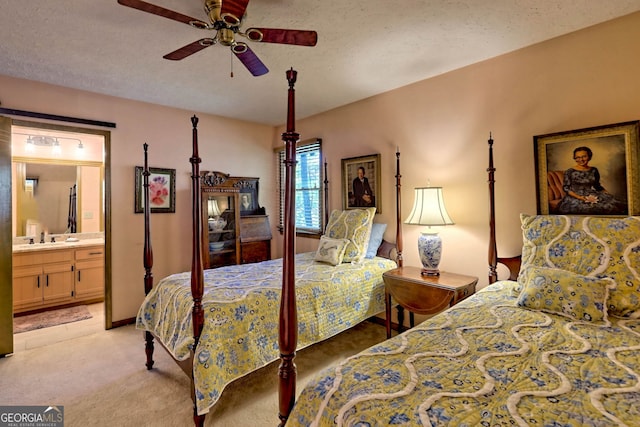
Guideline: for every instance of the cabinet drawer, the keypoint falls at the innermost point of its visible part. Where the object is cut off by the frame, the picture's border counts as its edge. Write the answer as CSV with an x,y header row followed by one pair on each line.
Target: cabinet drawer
x,y
31,270
42,257
255,251
91,263
29,258
57,256
57,268
96,252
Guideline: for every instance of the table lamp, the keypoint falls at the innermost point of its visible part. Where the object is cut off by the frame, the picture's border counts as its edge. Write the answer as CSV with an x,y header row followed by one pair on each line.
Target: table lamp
x,y
428,209
216,222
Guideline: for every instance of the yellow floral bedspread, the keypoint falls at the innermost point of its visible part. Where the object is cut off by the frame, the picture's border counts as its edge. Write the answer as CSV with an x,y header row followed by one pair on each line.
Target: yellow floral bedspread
x,y
486,362
241,305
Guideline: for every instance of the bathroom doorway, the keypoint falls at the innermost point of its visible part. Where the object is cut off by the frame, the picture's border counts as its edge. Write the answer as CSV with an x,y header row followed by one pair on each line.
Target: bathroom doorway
x,y
61,190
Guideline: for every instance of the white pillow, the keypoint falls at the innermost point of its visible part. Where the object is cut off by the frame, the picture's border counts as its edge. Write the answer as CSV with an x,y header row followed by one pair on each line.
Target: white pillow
x,y
331,250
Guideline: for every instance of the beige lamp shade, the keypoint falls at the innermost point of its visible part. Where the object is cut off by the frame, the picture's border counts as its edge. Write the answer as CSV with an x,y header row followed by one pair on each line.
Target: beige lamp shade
x,y
214,210
428,208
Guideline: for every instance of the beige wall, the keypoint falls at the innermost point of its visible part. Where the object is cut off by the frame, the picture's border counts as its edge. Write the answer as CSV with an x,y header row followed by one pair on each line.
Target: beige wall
x,y
441,126
231,146
88,215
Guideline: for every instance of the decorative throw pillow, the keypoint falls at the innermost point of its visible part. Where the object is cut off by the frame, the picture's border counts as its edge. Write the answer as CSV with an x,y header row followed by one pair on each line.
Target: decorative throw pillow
x,y
590,246
331,250
377,232
565,293
354,225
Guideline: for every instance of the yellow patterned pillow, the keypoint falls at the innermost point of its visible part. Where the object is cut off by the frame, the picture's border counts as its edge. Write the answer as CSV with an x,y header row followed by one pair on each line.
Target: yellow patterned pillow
x,y
331,250
565,293
354,225
590,246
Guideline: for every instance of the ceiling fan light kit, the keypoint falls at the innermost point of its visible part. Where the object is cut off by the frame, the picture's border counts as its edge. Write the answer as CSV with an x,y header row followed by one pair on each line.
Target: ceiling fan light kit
x,y
225,18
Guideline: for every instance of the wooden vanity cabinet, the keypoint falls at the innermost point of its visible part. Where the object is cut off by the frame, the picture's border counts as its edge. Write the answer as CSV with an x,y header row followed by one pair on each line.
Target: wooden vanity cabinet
x,y
89,277
57,277
42,279
235,230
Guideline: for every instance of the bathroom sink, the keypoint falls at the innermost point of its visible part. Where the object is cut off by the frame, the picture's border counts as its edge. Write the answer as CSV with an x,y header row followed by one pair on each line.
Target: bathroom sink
x,y
36,246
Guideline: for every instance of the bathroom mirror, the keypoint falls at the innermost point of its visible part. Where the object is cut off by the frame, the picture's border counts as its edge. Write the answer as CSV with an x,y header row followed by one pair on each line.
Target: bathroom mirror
x,y
57,198
58,180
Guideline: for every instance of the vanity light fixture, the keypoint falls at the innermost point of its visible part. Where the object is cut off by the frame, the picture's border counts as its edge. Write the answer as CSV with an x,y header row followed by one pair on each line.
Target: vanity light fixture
x,y
54,142
57,150
42,141
31,147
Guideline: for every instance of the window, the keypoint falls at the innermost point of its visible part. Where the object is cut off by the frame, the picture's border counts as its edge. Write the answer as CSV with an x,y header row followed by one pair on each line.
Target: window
x,y
30,185
309,217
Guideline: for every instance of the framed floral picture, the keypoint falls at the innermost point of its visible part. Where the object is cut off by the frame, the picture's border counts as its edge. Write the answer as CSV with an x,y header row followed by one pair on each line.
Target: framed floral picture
x,y
591,171
162,190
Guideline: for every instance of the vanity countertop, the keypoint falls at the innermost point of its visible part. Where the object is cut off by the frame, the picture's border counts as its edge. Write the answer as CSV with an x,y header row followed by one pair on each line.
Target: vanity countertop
x,y
25,247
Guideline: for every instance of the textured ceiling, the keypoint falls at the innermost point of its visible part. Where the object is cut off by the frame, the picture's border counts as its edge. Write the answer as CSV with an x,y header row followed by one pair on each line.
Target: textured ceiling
x,y
364,48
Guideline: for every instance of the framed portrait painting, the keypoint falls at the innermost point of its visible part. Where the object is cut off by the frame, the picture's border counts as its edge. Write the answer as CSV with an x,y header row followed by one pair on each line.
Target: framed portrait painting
x,y
361,182
249,200
591,171
162,190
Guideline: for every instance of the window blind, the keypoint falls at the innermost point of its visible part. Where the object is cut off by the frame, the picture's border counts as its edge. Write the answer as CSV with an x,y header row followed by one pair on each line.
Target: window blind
x,y
308,195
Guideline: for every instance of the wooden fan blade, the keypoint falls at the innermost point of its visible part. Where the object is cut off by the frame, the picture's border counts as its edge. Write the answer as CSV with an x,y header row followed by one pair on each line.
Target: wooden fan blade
x,y
189,49
234,7
252,62
276,35
161,11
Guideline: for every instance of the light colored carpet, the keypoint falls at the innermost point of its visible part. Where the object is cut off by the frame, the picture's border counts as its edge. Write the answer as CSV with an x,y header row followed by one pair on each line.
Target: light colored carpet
x,y
101,380
46,319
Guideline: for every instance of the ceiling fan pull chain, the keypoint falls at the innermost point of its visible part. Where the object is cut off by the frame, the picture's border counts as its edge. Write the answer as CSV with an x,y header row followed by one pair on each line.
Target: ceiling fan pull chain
x,y
231,60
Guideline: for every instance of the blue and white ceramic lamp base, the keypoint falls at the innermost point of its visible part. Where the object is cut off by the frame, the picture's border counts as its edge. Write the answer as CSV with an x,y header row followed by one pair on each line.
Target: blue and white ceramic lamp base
x,y
430,250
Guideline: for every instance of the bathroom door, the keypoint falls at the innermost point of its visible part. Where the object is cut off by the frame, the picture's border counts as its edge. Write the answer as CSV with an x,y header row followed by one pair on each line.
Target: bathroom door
x,y
6,289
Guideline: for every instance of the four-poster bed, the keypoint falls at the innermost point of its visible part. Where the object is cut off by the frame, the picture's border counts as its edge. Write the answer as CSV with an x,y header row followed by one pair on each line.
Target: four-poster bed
x,y
220,324
558,346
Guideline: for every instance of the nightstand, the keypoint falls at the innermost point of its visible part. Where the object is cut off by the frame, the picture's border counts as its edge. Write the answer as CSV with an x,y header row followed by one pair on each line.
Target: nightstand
x,y
423,294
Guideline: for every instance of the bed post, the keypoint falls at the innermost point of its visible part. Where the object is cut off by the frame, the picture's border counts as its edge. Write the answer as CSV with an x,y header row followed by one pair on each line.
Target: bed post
x,y
147,254
493,249
288,330
399,242
326,195
512,263
197,275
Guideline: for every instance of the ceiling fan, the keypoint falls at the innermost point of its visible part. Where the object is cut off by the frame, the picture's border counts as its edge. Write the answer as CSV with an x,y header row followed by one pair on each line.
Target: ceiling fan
x,y
225,18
